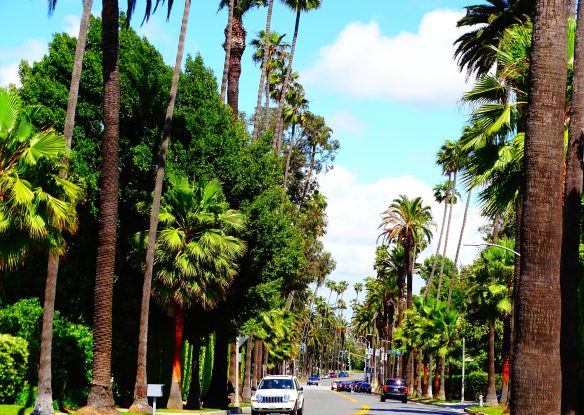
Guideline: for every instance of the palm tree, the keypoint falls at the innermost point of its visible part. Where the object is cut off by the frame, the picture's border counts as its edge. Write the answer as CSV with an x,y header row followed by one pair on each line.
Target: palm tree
x,y
227,50
195,256
140,403
408,223
570,265
44,399
235,46
490,21
358,287
298,6
256,120
538,297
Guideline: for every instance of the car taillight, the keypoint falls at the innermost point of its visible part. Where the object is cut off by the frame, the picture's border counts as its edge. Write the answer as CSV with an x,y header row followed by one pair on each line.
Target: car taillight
x,y
406,389
385,388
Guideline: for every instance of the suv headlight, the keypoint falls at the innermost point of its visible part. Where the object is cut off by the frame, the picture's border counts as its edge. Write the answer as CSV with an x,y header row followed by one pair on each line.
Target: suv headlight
x,y
286,398
259,398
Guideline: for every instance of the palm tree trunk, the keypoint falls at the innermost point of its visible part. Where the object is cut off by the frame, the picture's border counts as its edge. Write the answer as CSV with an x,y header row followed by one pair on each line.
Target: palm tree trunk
x,y
428,376
194,397
257,363
571,274
140,403
443,259
217,395
289,157
538,311
442,388
431,278
237,47
410,258
256,122
232,367
455,269
491,399
44,400
436,383
266,360
100,395
279,131
247,376
506,360
227,50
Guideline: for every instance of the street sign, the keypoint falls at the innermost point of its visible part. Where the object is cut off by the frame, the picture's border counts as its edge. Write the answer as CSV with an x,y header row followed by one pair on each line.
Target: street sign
x,y
398,352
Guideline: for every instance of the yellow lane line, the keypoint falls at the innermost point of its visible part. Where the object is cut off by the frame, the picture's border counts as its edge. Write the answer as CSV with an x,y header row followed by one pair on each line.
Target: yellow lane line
x,y
361,412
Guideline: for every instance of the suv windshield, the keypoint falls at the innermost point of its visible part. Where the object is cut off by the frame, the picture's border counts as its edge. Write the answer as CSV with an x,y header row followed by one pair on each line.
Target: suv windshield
x,y
276,384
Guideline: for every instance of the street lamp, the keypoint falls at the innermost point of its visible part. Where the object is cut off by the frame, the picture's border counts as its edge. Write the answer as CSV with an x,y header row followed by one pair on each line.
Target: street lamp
x,y
498,246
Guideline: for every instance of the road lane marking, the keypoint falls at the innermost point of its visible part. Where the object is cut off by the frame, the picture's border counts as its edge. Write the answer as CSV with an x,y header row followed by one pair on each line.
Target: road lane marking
x,y
364,411
361,412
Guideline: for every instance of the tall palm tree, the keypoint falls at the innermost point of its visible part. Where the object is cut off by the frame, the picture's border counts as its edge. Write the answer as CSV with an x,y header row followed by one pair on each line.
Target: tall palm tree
x,y
489,22
298,6
263,71
538,311
195,256
229,35
44,399
570,267
140,403
235,46
408,223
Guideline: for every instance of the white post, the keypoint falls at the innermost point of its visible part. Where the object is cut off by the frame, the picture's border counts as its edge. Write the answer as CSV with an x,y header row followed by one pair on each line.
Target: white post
x,y
462,387
237,359
154,406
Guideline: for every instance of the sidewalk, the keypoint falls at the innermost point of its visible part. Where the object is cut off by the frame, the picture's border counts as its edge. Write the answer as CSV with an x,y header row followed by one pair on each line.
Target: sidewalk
x,y
450,405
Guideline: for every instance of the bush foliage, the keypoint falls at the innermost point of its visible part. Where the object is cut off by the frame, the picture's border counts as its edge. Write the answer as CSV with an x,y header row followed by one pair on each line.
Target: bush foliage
x,y
13,366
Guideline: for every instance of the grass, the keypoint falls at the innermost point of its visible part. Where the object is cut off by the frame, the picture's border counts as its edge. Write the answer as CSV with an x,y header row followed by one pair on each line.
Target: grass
x,y
487,410
15,410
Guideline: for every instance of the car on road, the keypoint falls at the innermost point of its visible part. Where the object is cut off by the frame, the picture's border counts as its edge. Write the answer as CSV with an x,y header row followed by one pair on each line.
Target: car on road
x,y
363,387
333,385
325,376
394,388
333,374
343,374
313,380
344,386
278,394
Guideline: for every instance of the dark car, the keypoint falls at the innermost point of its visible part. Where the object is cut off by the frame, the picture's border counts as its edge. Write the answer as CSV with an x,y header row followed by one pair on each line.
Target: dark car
x,y
395,388
343,374
313,380
344,386
354,385
364,387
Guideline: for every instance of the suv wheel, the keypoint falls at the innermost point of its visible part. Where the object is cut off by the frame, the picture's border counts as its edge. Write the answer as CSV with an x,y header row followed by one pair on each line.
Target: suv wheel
x,y
301,410
294,411
382,398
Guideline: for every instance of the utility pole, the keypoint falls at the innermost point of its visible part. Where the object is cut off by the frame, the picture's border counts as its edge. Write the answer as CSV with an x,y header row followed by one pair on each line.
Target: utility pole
x,y
462,387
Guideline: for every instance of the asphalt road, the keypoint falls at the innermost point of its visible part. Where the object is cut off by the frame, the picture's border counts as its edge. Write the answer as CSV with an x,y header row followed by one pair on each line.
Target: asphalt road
x,y
320,400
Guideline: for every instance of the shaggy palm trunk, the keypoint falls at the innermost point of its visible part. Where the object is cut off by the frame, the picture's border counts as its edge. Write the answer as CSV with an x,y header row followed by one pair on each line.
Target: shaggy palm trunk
x,y
175,395
491,399
247,376
279,130
538,308
140,403
571,273
428,377
436,383
506,358
100,396
256,120
194,396
232,368
227,50
237,48
257,363
44,399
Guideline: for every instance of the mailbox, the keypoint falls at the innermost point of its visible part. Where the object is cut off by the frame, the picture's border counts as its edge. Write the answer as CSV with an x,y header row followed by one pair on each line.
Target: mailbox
x,y
154,391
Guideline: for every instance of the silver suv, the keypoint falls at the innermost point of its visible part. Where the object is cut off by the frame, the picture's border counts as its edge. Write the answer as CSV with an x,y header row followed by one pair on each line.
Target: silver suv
x,y
278,394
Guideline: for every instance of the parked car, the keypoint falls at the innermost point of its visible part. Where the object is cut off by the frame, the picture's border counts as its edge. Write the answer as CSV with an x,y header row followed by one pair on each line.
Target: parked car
x,y
395,388
354,385
313,380
278,394
364,387
333,374
343,374
325,376
333,385
344,386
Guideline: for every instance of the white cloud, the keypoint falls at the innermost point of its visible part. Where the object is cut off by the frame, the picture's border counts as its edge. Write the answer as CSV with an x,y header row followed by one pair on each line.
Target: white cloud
x,y
354,215
408,67
343,122
32,51
72,25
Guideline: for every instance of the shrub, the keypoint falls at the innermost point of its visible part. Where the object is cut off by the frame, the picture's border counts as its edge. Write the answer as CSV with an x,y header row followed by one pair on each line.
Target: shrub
x,y
13,365
475,384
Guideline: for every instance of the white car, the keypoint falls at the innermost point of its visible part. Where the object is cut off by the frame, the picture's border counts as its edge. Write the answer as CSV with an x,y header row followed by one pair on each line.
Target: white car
x,y
278,394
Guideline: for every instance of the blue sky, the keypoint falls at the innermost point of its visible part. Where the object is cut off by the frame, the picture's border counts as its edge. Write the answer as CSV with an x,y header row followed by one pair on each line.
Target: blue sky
x,y
380,72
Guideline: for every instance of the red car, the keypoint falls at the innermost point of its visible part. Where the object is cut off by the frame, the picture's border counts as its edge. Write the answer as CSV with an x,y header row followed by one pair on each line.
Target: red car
x,y
333,374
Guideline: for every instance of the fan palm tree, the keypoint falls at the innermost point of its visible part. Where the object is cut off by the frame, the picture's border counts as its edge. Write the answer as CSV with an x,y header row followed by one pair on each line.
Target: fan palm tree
x,y
195,256
488,22
140,403
235,46
408,223
298,6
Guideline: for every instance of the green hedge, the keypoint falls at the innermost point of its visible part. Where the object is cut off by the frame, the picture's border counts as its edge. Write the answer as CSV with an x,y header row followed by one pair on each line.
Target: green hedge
x,y
475,384
13,366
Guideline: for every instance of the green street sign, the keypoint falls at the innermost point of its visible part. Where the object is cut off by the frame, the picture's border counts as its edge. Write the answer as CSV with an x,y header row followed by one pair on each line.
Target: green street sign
x,y
398,352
